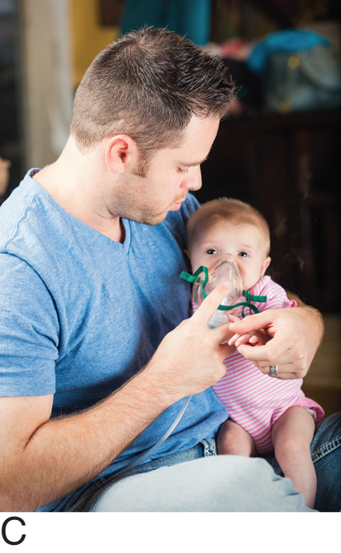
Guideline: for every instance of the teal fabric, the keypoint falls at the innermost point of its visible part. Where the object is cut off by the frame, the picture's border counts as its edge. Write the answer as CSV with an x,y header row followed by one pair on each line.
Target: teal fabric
x,y
286,41
184,17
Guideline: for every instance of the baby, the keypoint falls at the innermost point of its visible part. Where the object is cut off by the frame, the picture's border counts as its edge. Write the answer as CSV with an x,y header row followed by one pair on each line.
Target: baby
x,y
265,413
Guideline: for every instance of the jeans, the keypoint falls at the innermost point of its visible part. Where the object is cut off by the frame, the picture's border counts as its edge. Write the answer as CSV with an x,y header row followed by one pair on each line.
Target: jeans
x,y
197,480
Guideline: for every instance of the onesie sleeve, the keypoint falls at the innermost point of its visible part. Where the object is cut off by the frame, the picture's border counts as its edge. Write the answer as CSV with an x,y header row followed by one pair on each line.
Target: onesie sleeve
x,y
29,331
276,295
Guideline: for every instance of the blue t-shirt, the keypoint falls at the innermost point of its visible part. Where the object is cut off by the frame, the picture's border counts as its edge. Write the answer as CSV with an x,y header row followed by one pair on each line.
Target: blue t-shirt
x,y
81,314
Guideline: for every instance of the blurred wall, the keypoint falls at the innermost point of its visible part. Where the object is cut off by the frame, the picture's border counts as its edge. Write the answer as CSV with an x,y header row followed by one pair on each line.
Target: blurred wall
x,y
46,79
88,36
59,39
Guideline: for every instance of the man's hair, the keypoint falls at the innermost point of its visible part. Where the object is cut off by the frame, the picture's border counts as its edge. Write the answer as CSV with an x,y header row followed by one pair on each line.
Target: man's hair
x,y
226,209
148,84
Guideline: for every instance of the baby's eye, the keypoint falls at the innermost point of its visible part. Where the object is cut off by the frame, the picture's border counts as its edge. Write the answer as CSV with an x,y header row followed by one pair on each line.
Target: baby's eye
x,y
211,251
182,170
243,254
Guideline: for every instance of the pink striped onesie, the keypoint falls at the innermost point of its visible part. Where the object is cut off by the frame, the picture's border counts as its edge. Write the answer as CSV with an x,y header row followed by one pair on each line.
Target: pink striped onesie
x,y
255,400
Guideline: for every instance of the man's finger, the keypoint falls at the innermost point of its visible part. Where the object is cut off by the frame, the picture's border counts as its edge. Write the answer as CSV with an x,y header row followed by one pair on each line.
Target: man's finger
x,y
285,371
222,334
270,353
253,322
212,302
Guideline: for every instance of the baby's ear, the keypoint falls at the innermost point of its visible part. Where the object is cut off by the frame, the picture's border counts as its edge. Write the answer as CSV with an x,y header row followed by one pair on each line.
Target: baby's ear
x,y
265,265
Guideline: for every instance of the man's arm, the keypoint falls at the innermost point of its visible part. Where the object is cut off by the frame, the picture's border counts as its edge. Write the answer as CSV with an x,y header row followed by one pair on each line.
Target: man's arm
x,y
294,336
43,459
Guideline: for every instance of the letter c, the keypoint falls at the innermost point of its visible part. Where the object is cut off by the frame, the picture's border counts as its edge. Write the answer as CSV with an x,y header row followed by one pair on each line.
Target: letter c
x,y
3,531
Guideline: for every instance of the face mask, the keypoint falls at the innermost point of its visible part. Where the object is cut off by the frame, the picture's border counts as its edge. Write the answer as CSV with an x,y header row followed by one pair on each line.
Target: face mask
x,y
204,283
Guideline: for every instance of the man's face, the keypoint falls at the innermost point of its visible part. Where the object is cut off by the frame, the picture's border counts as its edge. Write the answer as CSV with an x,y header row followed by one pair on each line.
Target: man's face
x,y
172,173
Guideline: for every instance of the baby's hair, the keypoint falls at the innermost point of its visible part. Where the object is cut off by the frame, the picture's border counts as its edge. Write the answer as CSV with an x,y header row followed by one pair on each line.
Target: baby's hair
x,y
226,209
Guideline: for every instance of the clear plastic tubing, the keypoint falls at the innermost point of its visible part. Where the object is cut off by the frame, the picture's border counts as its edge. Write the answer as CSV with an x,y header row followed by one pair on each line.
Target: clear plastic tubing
x,y
152,450
140,458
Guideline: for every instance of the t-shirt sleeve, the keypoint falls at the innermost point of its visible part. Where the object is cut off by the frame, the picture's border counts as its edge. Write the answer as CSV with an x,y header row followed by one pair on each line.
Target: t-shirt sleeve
x,y
29,331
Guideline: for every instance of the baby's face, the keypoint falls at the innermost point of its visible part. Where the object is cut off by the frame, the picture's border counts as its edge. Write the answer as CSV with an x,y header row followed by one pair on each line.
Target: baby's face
x,y
242,243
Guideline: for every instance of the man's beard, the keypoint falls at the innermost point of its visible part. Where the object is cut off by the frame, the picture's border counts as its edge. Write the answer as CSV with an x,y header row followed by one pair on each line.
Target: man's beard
x,y
135,204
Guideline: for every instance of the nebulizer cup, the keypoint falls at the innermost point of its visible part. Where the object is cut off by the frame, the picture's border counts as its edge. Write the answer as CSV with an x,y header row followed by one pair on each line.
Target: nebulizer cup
x,y
225,271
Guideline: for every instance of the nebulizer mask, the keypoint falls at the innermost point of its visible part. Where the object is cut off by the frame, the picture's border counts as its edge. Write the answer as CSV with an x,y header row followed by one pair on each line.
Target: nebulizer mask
x,y
204,282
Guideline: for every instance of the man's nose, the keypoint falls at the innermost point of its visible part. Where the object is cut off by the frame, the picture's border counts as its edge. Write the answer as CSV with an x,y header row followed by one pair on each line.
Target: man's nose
x,y
193,179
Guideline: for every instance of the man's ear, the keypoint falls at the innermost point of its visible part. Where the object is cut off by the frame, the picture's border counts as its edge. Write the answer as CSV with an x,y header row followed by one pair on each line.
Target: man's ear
x,y
120,154
265,265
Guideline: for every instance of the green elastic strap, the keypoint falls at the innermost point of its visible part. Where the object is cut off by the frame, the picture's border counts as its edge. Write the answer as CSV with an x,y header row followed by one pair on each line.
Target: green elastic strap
x,y
193,278
249,297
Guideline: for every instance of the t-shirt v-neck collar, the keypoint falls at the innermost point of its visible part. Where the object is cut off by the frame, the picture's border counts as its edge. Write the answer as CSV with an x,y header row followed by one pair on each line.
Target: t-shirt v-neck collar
x,y
123,247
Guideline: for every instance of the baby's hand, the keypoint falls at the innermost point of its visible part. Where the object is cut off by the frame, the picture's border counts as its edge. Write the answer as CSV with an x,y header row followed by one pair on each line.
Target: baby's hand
x,y
254,338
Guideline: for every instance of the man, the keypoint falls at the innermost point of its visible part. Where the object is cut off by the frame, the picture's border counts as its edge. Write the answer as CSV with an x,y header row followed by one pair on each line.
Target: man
x,y
97,351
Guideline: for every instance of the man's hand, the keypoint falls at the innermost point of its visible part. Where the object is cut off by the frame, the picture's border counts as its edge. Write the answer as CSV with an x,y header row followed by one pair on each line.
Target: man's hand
x,y
294,334
190,358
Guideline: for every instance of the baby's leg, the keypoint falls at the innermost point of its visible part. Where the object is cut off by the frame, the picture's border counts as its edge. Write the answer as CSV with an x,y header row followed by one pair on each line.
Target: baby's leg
x,y
292,434
232,439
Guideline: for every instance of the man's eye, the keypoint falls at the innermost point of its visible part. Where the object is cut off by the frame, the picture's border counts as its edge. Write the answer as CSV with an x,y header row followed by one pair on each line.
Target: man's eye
x,y
243,254
211,252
